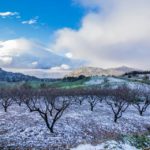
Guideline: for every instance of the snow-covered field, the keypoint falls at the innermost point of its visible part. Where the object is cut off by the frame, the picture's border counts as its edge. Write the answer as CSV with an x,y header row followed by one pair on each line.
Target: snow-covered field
x,y
110,145
114,82
20,128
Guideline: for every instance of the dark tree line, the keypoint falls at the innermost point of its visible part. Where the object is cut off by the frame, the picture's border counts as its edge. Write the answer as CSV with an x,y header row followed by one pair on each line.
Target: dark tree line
x,y
134,73
73,79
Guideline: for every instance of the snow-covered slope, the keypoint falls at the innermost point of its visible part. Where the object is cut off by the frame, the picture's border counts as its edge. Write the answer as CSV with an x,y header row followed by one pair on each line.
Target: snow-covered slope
x,y
114,82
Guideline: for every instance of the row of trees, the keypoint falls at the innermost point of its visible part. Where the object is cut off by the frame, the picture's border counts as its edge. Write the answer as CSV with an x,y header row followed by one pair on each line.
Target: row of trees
x,y
134,73
52,103
73,79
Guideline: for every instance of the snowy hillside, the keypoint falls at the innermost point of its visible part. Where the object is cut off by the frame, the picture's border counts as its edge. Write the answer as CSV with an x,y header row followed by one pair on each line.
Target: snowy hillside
x,y
113,82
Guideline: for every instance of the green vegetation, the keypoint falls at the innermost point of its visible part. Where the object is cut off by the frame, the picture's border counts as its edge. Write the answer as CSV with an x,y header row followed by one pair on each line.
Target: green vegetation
x,y
139,141
4,84
44,84
69,84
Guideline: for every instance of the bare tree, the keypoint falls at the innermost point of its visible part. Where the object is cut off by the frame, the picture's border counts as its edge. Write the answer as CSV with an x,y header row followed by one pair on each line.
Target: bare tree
x,y
118,100
79,95
92,100
6,98
102,94
141,99
91,95
50,104
95,95
19,95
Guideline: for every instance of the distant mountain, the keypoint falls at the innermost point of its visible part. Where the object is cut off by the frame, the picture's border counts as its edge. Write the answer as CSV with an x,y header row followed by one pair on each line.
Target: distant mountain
x,y
47,75
93,71
15,77
124,69
41,73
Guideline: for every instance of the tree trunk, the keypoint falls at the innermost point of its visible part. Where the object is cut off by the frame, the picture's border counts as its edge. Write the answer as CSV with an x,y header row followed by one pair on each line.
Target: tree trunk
x,y
115,119
141,112
80,102
92,108
50,127
19,104
5,109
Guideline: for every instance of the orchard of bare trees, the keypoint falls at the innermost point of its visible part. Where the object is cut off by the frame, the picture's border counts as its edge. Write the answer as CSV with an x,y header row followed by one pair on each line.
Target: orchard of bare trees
x,y
51,103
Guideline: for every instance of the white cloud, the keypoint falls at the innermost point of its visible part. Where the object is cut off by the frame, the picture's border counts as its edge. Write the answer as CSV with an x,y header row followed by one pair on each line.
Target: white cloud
x,y
10,50
8,13
89,3
65,66
31,21
117,33
5,60
69,55
25,53
62,67
14,47
35,63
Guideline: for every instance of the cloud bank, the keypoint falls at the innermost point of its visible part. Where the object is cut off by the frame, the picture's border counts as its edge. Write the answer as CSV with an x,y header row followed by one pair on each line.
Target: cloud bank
x,y
113,33
25,53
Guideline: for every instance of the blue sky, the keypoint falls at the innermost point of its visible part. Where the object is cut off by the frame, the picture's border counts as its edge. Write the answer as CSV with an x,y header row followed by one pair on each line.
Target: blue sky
x,y
28,27
51,15
65,34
